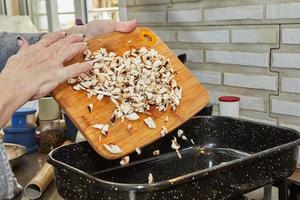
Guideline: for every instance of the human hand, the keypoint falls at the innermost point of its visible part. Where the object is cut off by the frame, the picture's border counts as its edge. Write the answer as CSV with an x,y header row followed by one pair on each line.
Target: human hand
x,y
39,68
99,27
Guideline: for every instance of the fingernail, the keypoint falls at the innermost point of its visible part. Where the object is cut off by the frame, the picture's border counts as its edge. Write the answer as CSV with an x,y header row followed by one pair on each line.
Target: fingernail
x,y
81,35
20,41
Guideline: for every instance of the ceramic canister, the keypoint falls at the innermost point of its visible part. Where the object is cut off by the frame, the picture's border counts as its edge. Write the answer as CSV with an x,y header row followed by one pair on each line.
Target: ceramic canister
x,y
229,106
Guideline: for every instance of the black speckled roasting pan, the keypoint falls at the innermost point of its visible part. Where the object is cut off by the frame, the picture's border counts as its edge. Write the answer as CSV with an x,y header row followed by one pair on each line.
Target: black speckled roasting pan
x,y
229,157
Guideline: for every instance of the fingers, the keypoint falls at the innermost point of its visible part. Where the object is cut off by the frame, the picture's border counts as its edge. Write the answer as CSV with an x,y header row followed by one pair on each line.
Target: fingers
x,y
23,44
68,52
74,70
126,26
51,38
68,40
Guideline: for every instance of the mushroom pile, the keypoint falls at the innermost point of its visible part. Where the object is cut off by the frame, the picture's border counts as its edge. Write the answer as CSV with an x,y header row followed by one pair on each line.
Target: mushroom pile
x,y
134,82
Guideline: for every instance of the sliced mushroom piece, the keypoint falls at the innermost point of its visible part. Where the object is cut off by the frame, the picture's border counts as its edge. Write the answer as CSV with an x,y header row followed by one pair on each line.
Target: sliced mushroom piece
x,y
98,126
174,144
150,178
100,96
156,152
138,151
90,107
113,118
167,119
192,141
178,154
180,133
132,116
112,148
104,130
125,160
184,137
150,123
125,107
129,128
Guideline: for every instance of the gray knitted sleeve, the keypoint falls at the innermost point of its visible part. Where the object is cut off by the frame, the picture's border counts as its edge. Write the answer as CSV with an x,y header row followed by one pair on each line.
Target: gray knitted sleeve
x,y
9,46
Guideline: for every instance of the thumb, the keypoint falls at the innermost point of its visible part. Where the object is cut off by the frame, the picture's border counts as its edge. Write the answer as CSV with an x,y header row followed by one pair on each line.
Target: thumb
x,y
23,44
126,26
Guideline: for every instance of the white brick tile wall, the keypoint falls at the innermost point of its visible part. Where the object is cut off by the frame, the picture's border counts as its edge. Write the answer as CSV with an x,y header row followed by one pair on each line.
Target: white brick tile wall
x,y
192,55
283,11
289,84
292,126
254,36
247,102
285,107
256,119
251,81
148,2
209,77
185,15
167,36
238,58
286,60
217,36
234,13
291,36
148,17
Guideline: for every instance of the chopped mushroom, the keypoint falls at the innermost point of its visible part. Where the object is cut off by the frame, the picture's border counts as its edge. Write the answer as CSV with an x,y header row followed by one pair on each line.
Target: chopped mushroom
x,y
129,128
184,137
112,148
104,130
125,160
163,131
175,145
90,107
156,152
178,154
132,116
134,81
167,119
138,151
150,178
192,141
150,123
98,126
180,133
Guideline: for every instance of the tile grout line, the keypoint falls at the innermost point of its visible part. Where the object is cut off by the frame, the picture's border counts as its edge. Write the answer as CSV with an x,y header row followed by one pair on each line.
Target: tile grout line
x,y
278,76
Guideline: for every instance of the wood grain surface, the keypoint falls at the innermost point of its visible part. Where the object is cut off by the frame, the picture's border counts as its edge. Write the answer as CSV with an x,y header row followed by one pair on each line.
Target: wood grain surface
x,y
74,103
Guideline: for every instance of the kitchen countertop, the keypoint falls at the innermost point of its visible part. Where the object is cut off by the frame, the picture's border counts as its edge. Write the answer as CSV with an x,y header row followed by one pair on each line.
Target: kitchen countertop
x,y
25,171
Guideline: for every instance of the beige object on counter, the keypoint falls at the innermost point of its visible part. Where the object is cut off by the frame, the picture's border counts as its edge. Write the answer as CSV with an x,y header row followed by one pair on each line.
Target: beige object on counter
x,y
17,24
35,188
14,153
48,109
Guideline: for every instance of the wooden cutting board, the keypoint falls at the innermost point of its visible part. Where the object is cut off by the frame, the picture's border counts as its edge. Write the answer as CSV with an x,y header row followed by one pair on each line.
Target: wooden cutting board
x,y
74,103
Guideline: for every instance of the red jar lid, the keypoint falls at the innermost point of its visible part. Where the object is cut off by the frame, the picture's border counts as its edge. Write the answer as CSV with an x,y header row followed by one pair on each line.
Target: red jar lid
x,y
229,98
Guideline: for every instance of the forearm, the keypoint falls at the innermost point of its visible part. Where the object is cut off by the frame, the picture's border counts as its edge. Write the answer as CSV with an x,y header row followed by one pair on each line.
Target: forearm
x,y
13,96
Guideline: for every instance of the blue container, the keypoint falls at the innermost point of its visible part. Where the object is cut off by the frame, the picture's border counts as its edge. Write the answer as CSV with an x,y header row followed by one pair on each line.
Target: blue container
x,y
20,132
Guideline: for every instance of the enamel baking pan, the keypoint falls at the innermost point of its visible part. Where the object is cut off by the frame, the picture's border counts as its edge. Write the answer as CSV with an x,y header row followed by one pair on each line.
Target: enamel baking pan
x,y
222,158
